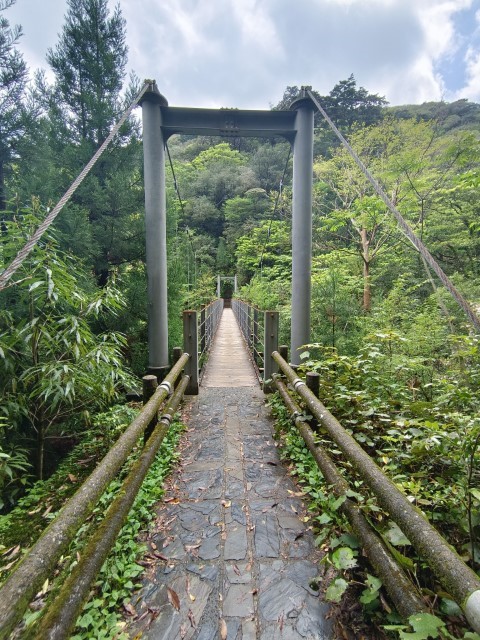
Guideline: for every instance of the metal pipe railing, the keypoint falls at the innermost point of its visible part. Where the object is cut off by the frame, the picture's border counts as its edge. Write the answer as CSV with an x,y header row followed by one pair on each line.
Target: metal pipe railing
x,y
61,615
455,576
39,562
401,590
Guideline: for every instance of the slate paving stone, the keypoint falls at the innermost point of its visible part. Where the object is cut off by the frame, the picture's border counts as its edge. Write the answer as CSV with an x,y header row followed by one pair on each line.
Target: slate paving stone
x,y
238,601
237,513
204,571
234,629
249,630
267,543
209,549
282,599
236,545
235,488
238,573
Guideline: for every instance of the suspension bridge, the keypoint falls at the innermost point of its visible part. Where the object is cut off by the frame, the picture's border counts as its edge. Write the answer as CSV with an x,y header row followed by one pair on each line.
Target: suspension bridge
x,y
233,554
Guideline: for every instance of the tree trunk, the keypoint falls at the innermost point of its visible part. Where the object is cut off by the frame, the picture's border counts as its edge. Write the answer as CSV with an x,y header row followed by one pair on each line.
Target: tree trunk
x,y
367,292
3,201
40,450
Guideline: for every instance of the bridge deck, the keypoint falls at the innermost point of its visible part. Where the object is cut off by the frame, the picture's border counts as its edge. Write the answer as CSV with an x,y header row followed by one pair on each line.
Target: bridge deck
x,y
229,365
231,556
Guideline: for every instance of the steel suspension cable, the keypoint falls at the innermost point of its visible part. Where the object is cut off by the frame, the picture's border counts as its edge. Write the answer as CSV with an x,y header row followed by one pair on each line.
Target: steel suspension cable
x,y
47,222
277,200
177,191
402,223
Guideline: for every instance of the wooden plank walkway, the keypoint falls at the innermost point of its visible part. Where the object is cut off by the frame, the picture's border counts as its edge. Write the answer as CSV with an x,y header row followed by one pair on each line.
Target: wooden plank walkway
x,y
229,365
230,554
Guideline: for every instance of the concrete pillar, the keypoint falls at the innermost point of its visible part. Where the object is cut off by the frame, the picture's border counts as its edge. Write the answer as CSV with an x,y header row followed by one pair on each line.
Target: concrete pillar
x,y
218,286
156,229
302,225
235,288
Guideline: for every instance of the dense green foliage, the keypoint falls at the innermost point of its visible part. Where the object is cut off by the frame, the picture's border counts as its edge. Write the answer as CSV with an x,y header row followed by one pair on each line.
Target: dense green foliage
x,y
119,575
397,360
13,73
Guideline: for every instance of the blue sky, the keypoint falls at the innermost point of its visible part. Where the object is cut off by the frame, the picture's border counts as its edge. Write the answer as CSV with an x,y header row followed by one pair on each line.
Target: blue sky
x,y
467,29
243,53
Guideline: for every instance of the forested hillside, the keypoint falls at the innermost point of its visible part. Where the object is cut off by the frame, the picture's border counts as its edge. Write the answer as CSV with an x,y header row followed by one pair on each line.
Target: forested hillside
x,y
399,363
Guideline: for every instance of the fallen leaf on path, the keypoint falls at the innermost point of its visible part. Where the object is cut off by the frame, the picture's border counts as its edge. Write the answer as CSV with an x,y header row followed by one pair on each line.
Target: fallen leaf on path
x,y
11,553
7,566
129,609
191,617
223,629
173,598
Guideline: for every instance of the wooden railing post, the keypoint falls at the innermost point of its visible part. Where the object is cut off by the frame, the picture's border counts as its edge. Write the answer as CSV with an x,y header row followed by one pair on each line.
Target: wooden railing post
x,y
190,346
270,345
313,382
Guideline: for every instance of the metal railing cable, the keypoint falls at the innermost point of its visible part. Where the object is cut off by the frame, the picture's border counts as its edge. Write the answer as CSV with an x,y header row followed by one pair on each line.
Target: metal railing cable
x,y
453,574
39,562
207,327
50,218
402,223
251,322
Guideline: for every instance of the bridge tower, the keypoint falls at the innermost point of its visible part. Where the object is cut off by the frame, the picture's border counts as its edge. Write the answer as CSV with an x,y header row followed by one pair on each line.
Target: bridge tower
x,y
160,122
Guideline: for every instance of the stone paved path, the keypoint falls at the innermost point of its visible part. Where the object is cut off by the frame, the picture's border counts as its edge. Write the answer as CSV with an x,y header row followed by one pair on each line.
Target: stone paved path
x,y
233,558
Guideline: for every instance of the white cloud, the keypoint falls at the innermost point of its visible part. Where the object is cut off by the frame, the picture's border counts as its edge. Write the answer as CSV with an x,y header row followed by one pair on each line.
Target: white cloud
x,y
245,52
471,90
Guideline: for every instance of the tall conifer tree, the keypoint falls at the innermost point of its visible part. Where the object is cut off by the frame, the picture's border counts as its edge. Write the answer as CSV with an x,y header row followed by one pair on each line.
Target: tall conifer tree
x,y
13,74
89,64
